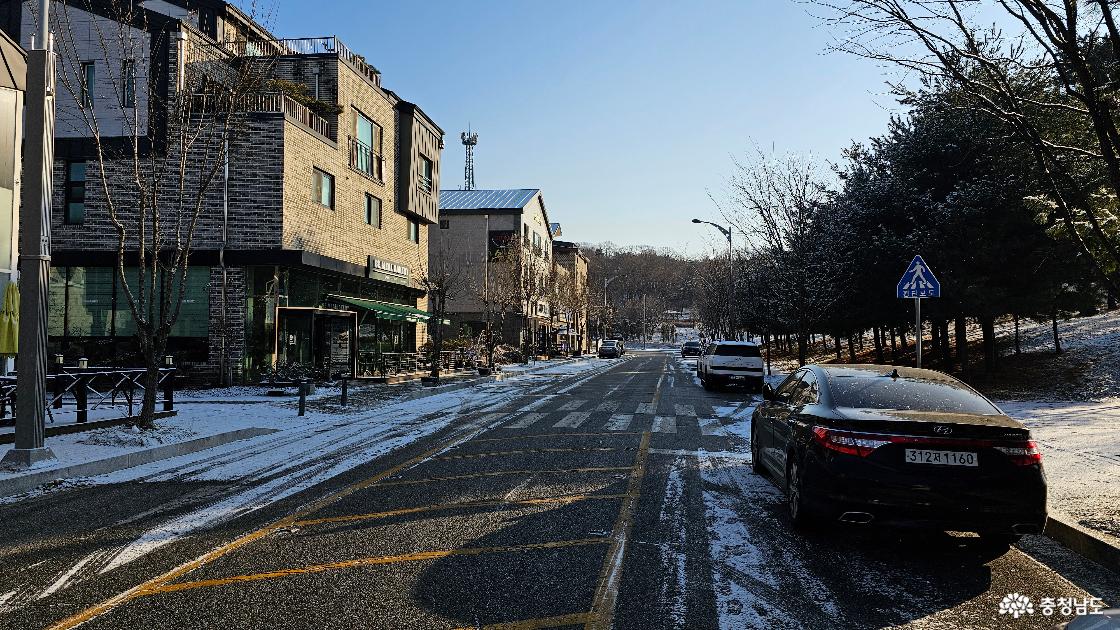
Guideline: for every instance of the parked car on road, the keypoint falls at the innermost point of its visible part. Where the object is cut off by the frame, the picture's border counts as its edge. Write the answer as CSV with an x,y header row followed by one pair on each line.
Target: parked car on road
x,y
691,349
610,349
730,362
901,446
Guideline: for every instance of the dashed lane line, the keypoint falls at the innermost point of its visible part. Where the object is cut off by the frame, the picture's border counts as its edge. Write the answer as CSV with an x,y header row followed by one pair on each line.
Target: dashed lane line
x,y
524,451
455,505
499,473
553,435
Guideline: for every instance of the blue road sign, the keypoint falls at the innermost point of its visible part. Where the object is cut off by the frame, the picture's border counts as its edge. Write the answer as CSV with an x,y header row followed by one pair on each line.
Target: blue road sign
x,y
918,281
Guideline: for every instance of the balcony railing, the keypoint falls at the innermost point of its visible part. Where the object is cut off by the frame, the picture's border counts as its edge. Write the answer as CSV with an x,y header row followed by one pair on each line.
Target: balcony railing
x,y
306,46
425,183
271,102
365,161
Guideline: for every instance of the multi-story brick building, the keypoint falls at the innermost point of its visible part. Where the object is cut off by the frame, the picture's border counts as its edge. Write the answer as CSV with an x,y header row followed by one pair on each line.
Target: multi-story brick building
x,y
576,308
308,251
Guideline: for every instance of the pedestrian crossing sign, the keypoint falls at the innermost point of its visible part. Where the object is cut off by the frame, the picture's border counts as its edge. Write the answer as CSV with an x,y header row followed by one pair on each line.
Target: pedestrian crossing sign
x,y
918,281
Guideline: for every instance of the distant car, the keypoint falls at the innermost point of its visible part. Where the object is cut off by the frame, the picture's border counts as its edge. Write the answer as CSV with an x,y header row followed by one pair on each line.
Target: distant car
x,y
691,349
901,446
610,349
730,362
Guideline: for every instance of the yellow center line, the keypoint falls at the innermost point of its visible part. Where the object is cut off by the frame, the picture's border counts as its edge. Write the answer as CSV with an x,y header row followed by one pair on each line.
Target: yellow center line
x,y
606,593
577,619
572,498
498,473
526,451
547,435
372,561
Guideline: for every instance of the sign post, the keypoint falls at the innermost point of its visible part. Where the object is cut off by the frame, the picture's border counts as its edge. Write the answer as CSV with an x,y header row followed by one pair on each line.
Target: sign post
x,y
917,283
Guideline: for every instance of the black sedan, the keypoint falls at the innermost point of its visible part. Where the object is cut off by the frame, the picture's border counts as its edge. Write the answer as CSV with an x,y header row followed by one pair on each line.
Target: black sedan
x,y
898,446
691,349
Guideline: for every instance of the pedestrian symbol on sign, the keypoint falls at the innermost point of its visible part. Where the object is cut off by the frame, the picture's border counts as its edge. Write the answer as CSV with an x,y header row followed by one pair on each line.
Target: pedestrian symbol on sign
x,y
918,281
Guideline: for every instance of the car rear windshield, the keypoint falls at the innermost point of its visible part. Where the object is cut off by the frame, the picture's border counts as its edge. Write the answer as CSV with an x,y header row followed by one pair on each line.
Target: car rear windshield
x,y
692,344
610,343
884,392
736,350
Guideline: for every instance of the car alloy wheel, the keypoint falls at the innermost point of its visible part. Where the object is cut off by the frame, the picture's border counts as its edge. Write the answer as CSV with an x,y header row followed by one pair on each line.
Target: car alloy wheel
x,y
794,501
756,459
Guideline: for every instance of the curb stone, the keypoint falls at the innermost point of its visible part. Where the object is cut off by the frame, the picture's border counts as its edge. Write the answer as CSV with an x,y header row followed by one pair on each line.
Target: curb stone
x,y
30,481
1083,541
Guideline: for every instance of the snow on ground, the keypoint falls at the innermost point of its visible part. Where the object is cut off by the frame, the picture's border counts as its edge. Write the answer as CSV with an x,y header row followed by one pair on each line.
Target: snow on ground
x,y
1080,443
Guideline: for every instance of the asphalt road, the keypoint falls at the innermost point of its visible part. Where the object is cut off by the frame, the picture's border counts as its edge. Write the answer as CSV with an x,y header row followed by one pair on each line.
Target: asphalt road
x,y
622,498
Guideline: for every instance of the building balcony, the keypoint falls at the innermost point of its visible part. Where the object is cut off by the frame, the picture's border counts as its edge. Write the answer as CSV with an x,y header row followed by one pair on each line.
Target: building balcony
x,y
365,161
329,45
267,103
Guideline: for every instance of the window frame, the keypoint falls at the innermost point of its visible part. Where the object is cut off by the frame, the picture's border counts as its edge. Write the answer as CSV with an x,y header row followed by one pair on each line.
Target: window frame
x,y
425,182
414,231
88,83
69,192
445,224
369,210
376,147
128,83
326,176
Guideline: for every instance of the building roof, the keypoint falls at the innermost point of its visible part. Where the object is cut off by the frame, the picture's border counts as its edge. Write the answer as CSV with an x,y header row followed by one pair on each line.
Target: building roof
x,y
13,63
486,199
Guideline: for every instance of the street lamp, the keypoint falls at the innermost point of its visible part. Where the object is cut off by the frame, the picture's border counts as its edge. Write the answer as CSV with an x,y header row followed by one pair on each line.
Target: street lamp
x,y
730,271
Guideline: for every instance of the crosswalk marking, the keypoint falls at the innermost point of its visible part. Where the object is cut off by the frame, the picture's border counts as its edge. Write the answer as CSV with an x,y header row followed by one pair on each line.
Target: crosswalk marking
x,y
684,410
526,421
490,417
712,426
573,420
571,406
619,422
607,405
647,408
665,424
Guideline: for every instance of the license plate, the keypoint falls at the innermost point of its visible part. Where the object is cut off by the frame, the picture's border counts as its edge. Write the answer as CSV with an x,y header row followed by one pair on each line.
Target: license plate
x,y
941,458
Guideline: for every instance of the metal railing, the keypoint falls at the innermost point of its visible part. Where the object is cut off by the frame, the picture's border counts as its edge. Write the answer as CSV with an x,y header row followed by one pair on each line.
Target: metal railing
x,y
268,102
364,160
305,46
89,390
371,363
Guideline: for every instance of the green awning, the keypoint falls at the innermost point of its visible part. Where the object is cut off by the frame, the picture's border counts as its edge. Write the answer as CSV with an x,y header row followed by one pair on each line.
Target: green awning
x,y
386,310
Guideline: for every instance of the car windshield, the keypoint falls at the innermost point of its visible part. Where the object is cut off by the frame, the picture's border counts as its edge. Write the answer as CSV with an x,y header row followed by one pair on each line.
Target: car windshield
x,y
609,343
737,350
692,344
883,392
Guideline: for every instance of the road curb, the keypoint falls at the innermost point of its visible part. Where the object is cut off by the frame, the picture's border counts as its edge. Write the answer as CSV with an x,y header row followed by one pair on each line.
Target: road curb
x,y
24,483
1087,543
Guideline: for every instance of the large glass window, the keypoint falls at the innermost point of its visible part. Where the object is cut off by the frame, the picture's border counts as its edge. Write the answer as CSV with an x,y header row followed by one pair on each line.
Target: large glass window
x,y
373,210
322,188
89,301
75,193
368,136
425,174
128,83
413,231
89,80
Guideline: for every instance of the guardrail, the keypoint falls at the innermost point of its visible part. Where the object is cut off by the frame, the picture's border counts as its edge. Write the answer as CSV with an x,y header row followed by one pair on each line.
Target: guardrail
x,y
90,389
329,45
271,102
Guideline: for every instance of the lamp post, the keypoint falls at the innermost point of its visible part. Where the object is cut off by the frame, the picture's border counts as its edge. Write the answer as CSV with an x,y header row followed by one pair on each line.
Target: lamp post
x,y
35,253
730,272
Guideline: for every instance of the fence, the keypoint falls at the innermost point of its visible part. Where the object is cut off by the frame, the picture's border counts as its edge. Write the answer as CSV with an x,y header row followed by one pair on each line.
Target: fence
x,y
89,390
392,363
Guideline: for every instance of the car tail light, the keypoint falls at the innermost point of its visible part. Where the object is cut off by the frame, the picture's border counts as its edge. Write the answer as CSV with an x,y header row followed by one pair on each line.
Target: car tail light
x,y
1023,453
860,444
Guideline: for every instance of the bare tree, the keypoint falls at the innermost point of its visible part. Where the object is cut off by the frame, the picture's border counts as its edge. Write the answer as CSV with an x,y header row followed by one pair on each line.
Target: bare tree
x,y
1051,79
159,148
444,276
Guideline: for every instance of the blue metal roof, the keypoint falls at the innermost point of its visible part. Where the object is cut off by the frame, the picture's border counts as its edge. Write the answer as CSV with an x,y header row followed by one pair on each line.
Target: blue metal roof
x,y
485,199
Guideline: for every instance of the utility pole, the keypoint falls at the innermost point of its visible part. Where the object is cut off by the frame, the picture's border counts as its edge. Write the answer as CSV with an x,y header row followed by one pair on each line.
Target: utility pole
x,y
730,275
35,253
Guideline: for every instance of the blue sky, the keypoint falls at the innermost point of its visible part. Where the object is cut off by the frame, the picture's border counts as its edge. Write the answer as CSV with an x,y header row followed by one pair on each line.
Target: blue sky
x,y
625,113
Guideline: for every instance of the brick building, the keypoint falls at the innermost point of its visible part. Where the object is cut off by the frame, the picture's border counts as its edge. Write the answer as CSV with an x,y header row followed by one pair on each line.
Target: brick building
x,y
321,222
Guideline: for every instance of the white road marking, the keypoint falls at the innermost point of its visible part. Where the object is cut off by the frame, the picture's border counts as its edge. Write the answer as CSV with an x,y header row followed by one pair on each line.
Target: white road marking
x,y
619,422
685,410
572,420
526,421
700,454
607,405
571,406
490,417
664,424
647,408
712,426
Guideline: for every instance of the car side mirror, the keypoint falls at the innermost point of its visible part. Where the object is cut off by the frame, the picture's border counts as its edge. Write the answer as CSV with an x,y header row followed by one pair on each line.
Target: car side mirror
x,y
767,392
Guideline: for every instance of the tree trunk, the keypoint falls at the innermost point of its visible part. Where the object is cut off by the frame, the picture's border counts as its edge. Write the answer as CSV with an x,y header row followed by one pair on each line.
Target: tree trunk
x,y
1018,349
876,332
988,327
851,350
766,338
836,341
894,346
962,342
802,349
946,345
935,341
902,339
151,390
1054,328
1111,297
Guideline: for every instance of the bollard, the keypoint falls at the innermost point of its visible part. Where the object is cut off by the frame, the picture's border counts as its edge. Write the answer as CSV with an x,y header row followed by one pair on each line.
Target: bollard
x,y
344,399
80,398
169,384
302,395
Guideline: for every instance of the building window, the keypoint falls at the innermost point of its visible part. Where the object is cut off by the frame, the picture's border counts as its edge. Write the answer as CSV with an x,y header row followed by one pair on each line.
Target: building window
x,y
322,188
425,174
89,80
445,224
414,231
128,83
373,211
75,193
367,151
